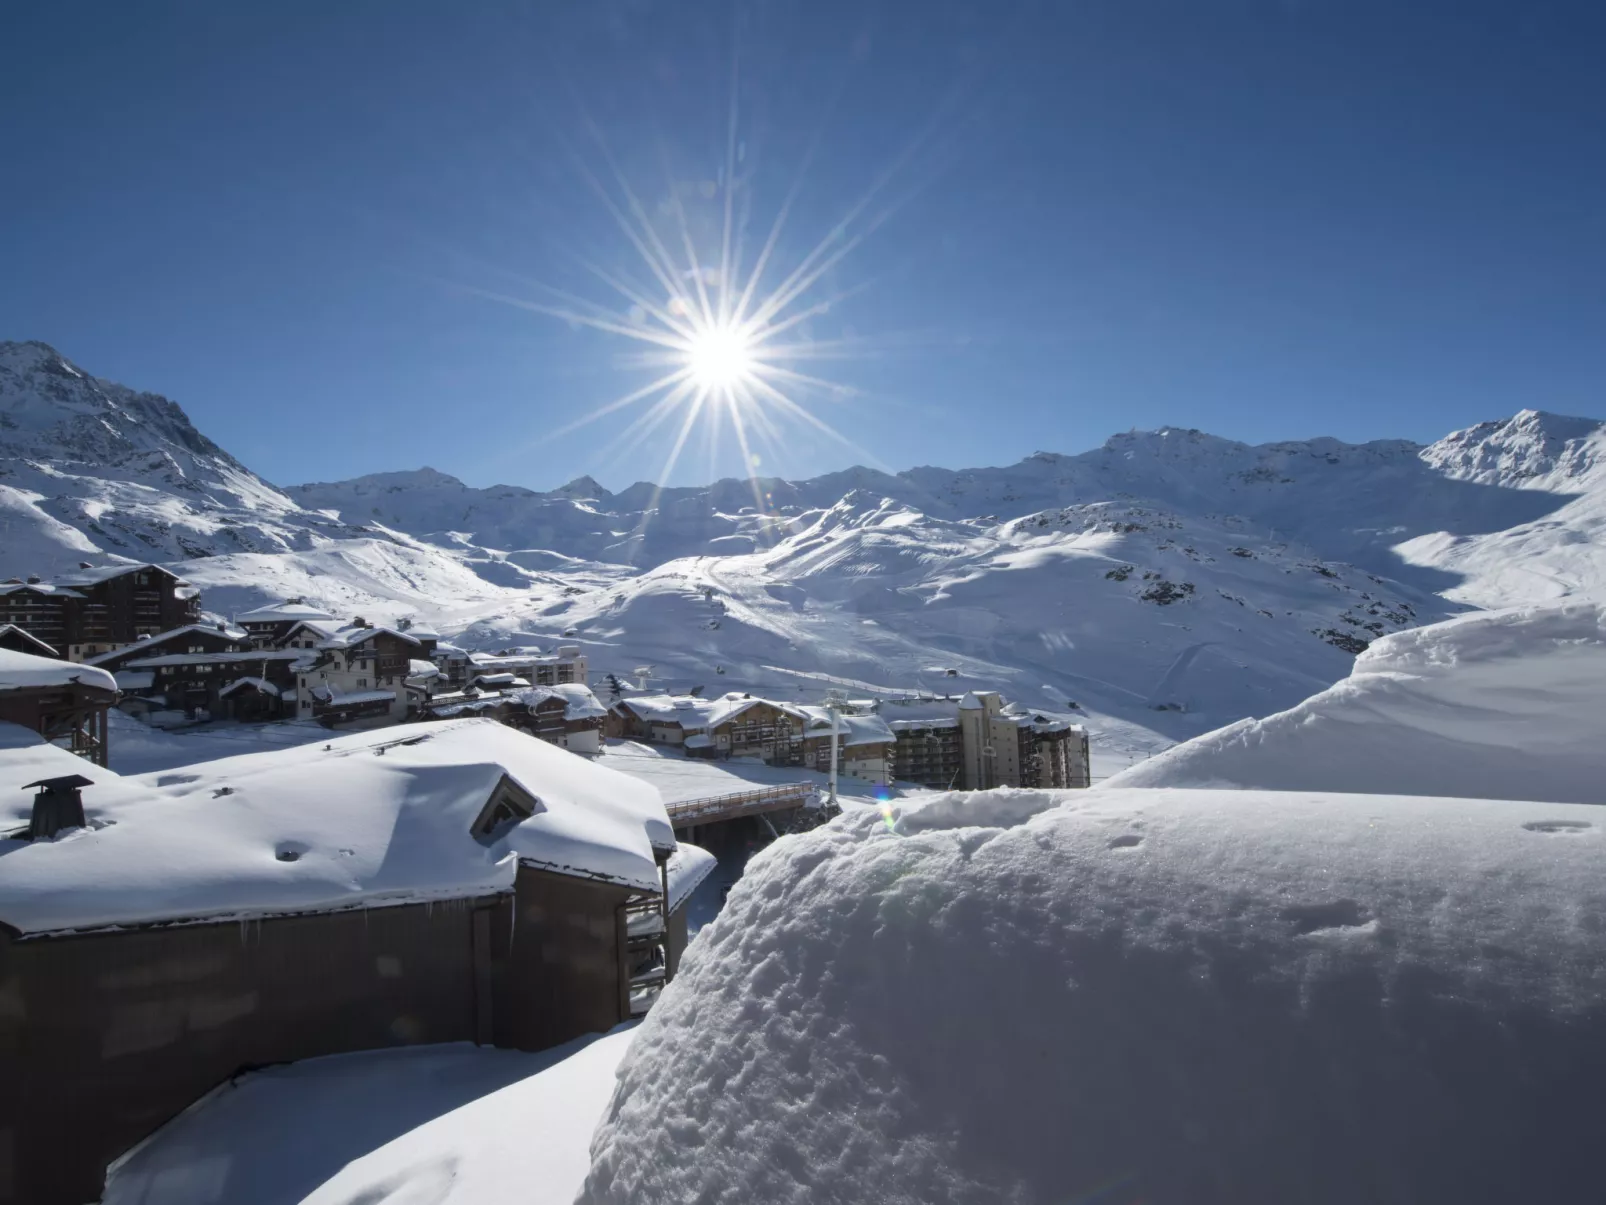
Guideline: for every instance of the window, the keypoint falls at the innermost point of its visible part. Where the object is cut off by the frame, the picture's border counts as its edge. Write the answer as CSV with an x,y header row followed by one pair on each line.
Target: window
x,y
362,683
508,805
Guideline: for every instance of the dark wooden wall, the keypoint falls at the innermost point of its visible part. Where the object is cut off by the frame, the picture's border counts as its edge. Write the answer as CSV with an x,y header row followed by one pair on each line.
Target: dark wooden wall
x,y
106,1036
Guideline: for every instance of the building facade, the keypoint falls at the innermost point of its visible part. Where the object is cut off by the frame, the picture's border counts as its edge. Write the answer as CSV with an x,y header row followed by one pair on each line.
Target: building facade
x,y
95,611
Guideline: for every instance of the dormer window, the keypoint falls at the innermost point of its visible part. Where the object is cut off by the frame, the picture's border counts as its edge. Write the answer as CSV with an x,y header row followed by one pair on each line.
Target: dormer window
x,y
509,805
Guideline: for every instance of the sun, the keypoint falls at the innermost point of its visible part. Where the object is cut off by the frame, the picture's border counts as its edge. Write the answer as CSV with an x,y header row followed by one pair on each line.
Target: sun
x,y
721,357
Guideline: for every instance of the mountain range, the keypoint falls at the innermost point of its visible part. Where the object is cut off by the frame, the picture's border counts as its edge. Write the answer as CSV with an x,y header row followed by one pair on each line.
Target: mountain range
x,y
1164,583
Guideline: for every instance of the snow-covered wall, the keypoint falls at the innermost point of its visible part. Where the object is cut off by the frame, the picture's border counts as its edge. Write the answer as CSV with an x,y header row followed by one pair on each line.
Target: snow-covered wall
x,y
1493,705
1185,997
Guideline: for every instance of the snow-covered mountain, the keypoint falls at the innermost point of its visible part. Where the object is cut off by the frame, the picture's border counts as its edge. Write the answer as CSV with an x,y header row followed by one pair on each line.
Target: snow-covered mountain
x,y
1168,581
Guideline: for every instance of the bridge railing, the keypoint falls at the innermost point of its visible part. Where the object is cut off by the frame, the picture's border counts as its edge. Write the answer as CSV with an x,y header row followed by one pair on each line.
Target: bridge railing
x,y
739,803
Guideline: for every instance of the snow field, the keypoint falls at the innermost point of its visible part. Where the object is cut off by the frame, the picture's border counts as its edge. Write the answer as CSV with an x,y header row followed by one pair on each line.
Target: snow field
x,y
1493,705
1175,996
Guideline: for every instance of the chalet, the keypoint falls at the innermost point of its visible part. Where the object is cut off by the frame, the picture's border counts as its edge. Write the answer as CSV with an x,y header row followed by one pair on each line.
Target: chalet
x,y
865,744
58,700
360,672
455,882
305,634
19,640
732,725
93,610
269,626
203,672
568,716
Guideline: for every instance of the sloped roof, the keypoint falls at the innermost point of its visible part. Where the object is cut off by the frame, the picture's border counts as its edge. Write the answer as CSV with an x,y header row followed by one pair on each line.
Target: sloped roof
x,y
348,636
579,702
91,577
19,671
236,837
28,638
852,729
190,629
279,612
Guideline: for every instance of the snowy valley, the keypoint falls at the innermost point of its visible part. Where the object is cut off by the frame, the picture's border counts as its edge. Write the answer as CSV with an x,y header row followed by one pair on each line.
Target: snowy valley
x,y
1166,583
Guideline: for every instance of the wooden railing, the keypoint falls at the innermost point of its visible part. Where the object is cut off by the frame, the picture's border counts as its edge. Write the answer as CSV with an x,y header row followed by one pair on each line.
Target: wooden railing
x,y
739,803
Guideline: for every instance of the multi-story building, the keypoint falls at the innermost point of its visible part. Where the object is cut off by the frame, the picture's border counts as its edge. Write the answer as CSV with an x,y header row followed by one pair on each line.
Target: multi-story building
x,y
928,751
201,672
566,663
1004,745
360,672
865,745
269,626
94,611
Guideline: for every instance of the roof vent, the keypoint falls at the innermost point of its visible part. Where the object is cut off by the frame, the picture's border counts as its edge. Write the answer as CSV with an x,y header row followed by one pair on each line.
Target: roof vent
x,y
57,805
292,602
403,624
33,579
360,622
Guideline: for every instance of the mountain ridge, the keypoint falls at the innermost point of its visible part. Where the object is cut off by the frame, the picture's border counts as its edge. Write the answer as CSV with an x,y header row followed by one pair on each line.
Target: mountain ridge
x,y
1164,581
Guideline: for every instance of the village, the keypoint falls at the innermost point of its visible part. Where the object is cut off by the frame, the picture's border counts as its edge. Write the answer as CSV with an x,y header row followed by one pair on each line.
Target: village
x,y
466,846
291,661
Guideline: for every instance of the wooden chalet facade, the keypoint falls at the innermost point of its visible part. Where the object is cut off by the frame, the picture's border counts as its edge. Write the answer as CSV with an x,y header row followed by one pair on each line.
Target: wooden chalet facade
x,y
113,1026
203,672
96,610
359,673
19,640
269,626
65,704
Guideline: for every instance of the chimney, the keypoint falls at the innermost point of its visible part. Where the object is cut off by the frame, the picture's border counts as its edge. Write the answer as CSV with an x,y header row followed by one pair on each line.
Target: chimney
x,y
403,624
33,579
57,805
360,622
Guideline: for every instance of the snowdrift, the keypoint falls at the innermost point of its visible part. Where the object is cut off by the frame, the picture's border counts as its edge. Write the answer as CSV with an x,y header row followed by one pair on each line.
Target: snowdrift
x,y
1498,705
1174,996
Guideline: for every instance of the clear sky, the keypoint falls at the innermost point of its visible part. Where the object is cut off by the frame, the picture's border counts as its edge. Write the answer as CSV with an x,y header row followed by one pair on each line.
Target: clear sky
x,y
1368,218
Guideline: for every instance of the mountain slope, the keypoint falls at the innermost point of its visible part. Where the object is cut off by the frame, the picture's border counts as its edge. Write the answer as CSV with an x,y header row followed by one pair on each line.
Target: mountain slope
x,y
1168,580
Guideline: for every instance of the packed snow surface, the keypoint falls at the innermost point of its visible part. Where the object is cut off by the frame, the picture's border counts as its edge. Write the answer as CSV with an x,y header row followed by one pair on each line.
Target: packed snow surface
x,y
442,1125
1493,705
1175,996
369,819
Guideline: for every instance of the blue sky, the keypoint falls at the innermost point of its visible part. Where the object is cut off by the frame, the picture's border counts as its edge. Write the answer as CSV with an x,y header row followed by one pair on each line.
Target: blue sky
x,y
1264,219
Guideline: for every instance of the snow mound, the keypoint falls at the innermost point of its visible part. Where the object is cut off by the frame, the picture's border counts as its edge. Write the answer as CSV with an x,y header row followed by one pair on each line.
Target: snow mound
x,y
1499,705
1173,996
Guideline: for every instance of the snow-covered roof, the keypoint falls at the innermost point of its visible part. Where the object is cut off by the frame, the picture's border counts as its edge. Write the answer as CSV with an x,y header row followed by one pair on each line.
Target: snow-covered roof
x,y
290,609
38,588
322,628
348,636
500,679
90,577
351,699
688,866
161,638
970,702
391,824
851,729
239,655
579,702
898,726
423,669
694,713
261,684
27,757
32,641
19,671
